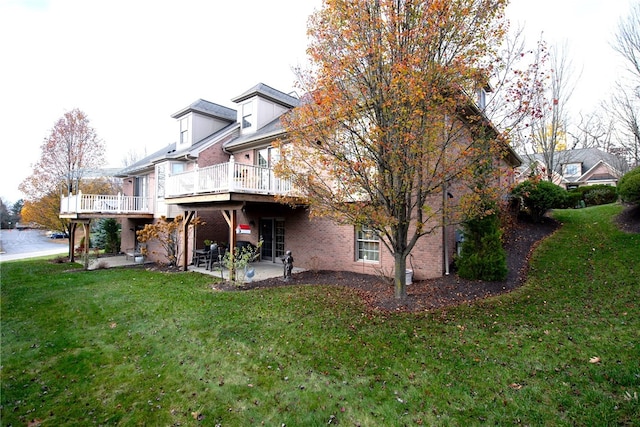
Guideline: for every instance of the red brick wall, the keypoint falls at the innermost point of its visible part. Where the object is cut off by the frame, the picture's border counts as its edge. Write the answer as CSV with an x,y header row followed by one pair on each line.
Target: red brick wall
x,y
320,244
214,154
215,229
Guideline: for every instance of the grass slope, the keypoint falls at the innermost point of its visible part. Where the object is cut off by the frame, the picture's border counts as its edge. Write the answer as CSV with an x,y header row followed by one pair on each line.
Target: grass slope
x,y
134,347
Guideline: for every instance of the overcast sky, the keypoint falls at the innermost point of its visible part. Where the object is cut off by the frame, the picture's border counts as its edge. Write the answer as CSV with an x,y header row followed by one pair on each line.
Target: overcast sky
x,y
130,64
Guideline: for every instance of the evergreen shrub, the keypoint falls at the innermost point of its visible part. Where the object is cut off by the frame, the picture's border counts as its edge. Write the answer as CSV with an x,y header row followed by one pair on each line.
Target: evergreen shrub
x,y
482,256
629,186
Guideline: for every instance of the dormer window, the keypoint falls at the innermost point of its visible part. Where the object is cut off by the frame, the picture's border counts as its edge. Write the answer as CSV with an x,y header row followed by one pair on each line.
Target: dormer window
x,y
571,169
247,115
184,131
482,98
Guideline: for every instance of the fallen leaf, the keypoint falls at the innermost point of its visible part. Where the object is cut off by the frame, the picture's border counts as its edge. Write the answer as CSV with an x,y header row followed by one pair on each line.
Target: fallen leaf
x,y
594,359
515,386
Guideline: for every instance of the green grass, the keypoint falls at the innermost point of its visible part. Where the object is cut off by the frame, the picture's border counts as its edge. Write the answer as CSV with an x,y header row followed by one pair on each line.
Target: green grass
x,y
133,347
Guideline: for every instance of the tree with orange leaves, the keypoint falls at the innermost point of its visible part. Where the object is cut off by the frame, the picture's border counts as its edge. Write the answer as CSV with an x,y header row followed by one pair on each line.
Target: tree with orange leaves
x,y
45,212
388,123
168,233
71,150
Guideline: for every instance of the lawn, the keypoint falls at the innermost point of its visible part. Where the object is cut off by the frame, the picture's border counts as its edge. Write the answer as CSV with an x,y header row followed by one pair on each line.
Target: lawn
x,y
136,347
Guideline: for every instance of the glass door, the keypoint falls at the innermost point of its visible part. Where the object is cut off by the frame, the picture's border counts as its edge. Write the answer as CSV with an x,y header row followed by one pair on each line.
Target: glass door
x,y
272,235
279,238
266,234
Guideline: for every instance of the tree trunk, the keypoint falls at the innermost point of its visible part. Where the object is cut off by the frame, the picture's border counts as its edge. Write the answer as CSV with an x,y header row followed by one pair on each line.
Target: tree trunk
x,y
400,279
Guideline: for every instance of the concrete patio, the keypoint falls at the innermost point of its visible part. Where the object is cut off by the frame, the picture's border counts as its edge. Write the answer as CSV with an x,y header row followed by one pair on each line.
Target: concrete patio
x,y
262,269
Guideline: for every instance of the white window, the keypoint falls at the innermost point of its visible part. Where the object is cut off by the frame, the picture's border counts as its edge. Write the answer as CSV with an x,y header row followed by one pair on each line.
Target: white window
x,y
267,157
177,168
367,244
247,115
571,169
184,131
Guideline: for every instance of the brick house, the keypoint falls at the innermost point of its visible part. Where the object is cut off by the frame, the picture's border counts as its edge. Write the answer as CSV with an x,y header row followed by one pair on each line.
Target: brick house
x,y
220,169
576,168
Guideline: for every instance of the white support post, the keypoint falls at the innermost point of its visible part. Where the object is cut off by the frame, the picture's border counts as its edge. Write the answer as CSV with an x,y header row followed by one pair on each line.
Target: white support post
x,y
231,173
196,177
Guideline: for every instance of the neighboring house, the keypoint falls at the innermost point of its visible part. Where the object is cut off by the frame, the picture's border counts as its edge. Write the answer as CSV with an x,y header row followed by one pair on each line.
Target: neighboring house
x,y
221,170
576,168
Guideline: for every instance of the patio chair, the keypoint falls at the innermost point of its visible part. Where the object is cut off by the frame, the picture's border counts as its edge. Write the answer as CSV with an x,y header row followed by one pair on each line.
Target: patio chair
x,y
201,256
216,255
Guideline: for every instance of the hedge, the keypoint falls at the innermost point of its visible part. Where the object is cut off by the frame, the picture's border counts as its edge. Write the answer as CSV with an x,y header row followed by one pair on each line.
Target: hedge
x,y
629,186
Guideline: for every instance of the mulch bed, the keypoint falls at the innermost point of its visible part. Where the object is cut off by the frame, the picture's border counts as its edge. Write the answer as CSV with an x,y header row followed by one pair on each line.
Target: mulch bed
x,y
629,219
377,292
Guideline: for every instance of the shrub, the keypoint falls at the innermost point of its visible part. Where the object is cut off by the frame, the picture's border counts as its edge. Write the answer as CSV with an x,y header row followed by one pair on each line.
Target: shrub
x,y
573,199
168,234
600,195
539,196
107,236
242,256
592,195
629,186
483,257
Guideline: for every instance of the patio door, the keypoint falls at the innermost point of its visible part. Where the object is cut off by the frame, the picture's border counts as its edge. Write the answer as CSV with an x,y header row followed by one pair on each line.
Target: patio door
x,y
265,159
141,192
272,235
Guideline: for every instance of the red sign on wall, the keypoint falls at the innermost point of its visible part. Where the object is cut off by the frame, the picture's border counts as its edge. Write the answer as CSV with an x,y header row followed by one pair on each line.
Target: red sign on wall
x,y
243,229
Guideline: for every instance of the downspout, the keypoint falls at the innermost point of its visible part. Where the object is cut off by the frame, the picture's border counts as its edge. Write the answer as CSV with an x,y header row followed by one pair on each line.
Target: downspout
x,y
445,240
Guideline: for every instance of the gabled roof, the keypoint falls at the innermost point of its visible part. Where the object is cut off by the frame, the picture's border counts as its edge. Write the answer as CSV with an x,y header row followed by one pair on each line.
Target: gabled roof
x,y
611,173
271,130
269,93
588,158
147,162
208,109
169,152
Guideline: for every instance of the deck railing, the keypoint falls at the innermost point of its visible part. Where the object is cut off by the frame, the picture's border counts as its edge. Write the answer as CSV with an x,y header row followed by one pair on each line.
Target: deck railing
x,y
109,204
221,178
227,177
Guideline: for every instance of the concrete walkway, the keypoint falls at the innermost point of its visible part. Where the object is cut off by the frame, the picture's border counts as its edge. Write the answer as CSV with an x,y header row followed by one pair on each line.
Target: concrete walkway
x,y
28,255
261,270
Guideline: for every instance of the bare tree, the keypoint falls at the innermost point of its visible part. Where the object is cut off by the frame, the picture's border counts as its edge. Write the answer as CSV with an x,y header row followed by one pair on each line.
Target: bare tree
x,y
625,103
595,130
549,128
625,106
627,42
133,155
519,82
70,151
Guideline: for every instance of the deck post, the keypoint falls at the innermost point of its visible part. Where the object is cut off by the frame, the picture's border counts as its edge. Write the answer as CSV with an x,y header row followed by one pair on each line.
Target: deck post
x,y
188,216
231,173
